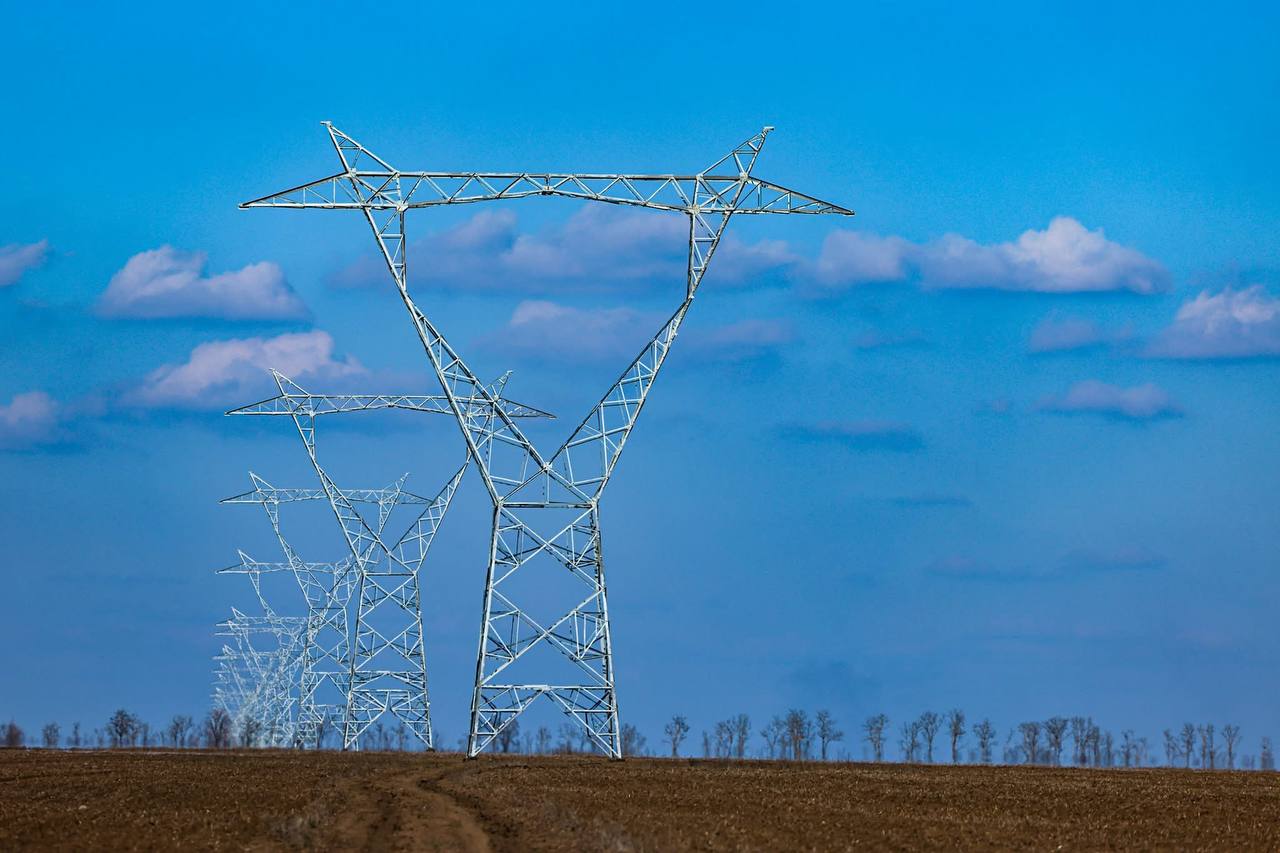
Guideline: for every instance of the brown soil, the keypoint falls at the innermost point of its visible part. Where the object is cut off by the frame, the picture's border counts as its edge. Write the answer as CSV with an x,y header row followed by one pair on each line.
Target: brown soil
x,y
281,800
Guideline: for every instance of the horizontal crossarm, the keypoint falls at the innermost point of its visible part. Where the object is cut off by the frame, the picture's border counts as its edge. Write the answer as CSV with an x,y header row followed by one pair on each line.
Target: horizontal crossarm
x,y
313,405
385,190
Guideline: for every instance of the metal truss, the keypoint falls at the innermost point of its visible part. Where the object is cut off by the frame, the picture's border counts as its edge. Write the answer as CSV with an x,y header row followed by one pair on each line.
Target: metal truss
x,y
546,509
255,684
375,662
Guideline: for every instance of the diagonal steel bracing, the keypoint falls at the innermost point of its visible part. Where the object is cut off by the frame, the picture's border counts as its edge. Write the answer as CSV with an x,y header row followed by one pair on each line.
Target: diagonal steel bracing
x,y
546,509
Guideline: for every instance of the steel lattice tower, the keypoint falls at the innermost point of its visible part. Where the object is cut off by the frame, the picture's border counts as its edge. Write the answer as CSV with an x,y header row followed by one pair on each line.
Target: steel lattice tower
x,y
254,685
545,509
376,661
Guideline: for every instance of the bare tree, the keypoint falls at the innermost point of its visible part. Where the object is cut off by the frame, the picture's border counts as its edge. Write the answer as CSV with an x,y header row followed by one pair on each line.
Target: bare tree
x,y
13,736
178,729
772,735
1054,730
1093,744
1128,747
986,734
1079,740
1230,737
217,729
1208,750
402,737
1030,740
706,744
1267,760
827,732
676,731
741,732
250,731
1108,750
73,739
544,740
909,741
1187,743
144,735
573,739
509,737
50,734
122,728
1172,752
632,740
724,739
929,725
874,727
955,728
799,734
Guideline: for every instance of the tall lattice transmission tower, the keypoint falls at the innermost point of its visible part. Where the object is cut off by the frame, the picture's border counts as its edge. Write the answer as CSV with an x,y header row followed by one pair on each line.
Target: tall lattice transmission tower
x,y
546,519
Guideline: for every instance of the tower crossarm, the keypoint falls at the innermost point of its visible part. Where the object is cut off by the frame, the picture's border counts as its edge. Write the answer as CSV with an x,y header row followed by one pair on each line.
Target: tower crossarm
x,y
391,190
270,494
313,405
248,565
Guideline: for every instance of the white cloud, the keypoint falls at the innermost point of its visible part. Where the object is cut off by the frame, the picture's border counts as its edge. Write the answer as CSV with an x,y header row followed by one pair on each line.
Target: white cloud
x,y
28,420
851,257
1055,334
17,258
1229,324
860,435
550,331
598,246
1139,403
168,282
1065,257
231,372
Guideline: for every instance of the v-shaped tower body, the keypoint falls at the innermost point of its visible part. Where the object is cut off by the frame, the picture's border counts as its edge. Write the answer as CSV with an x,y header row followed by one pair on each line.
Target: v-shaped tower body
x,y
546,520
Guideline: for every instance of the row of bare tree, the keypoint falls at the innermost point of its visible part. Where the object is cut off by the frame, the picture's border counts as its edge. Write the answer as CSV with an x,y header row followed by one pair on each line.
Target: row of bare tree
x,y
797,737
793,736
124,730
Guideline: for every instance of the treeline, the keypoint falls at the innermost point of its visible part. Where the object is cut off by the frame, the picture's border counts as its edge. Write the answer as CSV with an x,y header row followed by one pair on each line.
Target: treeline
x,y
793,736
932,737
124,730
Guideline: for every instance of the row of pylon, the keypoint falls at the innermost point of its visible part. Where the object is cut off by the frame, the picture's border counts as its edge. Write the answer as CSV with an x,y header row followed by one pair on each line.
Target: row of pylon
x,y
359,653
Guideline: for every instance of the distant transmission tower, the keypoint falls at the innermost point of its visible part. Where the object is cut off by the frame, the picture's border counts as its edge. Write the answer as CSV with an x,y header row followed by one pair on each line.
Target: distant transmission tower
x,y
326,589
546,509
376,662
254,680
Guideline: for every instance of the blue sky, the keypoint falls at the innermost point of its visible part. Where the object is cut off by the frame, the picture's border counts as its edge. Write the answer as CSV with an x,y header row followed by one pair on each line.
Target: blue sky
x,y
1004,441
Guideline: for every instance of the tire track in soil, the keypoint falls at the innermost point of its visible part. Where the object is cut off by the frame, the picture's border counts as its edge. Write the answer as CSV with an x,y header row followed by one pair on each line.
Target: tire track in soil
x,y
404,810
502,835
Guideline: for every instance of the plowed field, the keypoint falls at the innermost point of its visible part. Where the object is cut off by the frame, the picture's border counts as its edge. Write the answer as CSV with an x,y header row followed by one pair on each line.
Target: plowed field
x,y
281,800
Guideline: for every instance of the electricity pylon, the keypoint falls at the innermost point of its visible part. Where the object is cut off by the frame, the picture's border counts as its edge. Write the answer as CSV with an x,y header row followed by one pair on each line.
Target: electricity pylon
x,y
545,509
377,661
255,685
326,589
